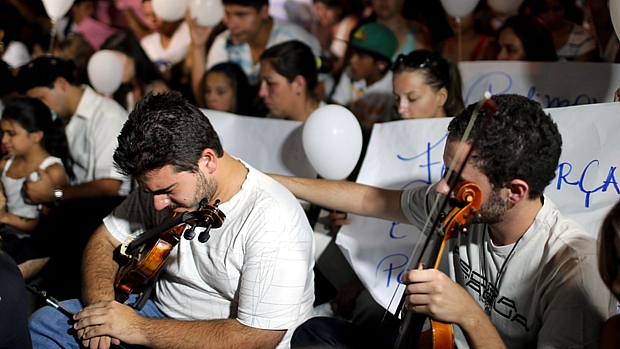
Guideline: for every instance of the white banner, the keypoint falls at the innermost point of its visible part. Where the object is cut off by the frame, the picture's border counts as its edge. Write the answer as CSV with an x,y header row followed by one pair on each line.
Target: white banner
x,y
269,145
405,154
553,84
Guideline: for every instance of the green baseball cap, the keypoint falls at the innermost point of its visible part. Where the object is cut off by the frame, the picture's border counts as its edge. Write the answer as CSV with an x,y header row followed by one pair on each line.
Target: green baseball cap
x,y
375,38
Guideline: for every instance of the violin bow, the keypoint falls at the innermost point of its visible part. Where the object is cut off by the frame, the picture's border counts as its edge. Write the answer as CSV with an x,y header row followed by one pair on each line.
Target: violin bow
x,y
451,179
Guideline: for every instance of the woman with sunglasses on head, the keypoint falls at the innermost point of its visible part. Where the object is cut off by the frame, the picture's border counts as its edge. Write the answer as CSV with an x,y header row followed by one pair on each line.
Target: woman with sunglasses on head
x,y
426,85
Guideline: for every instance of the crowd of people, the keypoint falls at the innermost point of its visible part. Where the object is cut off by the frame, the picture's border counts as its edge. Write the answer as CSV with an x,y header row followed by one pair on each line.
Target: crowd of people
x,y
85,172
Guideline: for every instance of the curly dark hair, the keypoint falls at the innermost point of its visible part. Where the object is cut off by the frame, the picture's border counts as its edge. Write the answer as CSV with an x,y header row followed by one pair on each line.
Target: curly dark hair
x,y
164,129
520,142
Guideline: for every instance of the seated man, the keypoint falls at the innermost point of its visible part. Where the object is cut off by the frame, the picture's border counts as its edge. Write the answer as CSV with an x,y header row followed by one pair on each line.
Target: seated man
x,y
523,277
249,286
92,122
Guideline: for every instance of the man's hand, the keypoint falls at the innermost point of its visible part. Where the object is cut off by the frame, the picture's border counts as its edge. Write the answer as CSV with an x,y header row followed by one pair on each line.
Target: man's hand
x,y
39,192
344,303
337,220
199,34
433,293
107,322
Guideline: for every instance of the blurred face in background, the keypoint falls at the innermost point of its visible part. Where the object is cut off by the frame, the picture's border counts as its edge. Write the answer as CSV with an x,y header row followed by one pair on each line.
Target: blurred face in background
x,y
387,8
328,16
510,46
152,20
415,99
244,21
219,94
276,91
552,13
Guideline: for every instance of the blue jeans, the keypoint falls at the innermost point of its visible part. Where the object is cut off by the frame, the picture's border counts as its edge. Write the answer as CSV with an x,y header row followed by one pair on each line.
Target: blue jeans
x,y
49,328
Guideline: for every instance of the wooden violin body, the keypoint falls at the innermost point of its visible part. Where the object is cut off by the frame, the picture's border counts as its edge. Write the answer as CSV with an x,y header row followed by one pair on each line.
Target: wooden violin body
x,y
465,207
143,257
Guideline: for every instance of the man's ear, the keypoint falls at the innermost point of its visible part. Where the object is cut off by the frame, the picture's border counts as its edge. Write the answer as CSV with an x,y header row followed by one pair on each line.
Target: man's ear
x,y
299,84
61,83
518,190
208,161
264,12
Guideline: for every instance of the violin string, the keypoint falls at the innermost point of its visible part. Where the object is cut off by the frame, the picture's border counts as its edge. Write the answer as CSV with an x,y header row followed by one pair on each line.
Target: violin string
x,y
451,181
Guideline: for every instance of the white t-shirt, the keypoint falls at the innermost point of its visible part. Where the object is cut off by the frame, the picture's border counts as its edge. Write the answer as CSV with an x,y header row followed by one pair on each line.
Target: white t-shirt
x,y
91,134
550,294
174,53
579,42
370,104
257,268
223,49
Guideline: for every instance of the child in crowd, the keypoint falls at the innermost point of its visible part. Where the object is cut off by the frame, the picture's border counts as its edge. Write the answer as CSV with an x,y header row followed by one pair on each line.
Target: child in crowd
x,y
226,88
35,141
168,44
365,86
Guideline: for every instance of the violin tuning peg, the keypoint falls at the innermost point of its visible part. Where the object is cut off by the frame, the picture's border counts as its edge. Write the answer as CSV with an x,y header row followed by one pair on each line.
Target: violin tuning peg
x,y
204,236
189,232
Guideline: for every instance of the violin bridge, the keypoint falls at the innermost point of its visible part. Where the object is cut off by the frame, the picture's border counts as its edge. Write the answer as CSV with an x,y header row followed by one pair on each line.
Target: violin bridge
x,y
124,245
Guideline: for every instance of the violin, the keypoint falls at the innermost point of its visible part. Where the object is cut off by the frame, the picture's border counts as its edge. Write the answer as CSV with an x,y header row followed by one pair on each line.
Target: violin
x,y
465,208
141,259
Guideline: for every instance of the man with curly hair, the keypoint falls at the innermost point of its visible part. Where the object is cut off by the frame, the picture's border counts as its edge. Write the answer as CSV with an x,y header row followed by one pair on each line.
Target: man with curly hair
x,y
522,277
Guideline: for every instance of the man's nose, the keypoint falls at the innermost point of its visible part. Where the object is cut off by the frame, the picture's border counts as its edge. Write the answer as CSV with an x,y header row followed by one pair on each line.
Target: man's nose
x,y
160,202
442,187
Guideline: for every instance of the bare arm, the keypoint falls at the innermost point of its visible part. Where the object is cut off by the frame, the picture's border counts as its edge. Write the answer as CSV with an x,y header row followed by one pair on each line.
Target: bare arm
x,y
349,197
98,267
42,191
122,322
198,50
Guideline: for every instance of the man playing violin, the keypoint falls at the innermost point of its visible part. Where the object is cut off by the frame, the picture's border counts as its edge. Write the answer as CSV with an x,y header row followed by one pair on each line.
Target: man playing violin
x,y
523,277
249,286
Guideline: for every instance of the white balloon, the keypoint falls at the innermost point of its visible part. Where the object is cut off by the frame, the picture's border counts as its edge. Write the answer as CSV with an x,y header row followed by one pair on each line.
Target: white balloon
x,y
169,10
332,139
614,11
206,12
57,9
105,71
459,8
504,6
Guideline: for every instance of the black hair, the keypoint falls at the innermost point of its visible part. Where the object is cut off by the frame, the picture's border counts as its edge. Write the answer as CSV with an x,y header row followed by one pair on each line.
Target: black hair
x,y
534,36
291,59
8,85
438,71
146,71
520,142
164,129
242,91
257,4
33,116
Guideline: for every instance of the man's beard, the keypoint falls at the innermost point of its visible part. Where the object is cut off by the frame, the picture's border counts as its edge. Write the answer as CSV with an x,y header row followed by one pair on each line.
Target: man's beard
x,y
205,189
494,209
